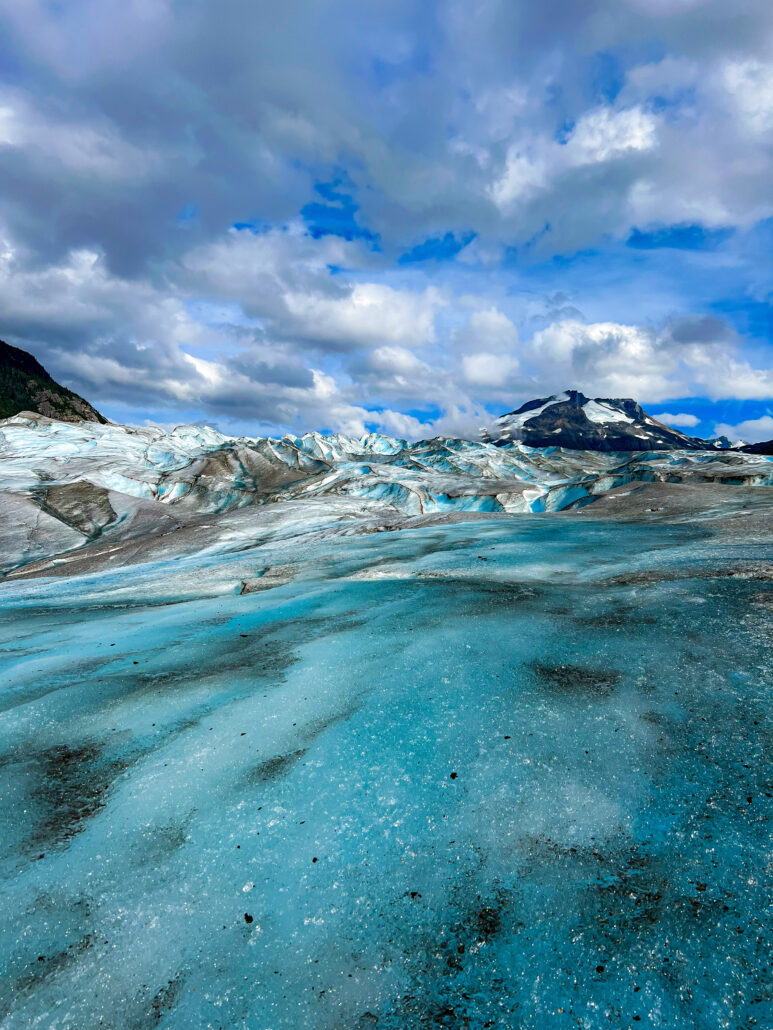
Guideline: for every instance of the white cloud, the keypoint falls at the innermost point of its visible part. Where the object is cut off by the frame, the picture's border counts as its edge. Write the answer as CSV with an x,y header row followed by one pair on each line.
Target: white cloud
x,y
283,276
397,424
319,348
613,359
488,347
750,86
605,358
120,119
679,419
130,95
648,204
527,171
604,134
460,419
396,360
366,315
91,150
489,329
260,268
755,430
667,78
721,373
484,369
128,341
80,295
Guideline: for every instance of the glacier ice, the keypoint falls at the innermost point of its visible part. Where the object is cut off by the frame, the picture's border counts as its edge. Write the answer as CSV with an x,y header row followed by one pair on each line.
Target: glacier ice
x,y
194,471
305,735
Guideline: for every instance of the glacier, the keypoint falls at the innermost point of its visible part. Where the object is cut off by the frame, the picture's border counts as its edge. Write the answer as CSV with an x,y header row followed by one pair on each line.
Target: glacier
x,y
342,733
63,485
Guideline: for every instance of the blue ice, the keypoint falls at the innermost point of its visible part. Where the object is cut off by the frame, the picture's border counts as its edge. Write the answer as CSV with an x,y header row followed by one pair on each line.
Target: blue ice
x,y
496,774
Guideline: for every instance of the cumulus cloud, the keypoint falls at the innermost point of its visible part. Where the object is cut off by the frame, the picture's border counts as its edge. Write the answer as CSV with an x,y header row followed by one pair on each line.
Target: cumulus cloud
x,y
750,86
652,365
755,430
601,135
369,313
135,136
681,419
484,369
87,149
616,360
283,276
230,108
604,134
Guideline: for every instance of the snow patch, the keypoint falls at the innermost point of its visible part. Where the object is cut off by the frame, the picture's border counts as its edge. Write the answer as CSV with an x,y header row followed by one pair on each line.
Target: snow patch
x,y
603,414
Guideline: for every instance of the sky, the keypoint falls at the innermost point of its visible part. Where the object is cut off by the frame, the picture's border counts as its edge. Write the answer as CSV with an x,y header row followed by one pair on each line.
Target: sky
x,y
405,216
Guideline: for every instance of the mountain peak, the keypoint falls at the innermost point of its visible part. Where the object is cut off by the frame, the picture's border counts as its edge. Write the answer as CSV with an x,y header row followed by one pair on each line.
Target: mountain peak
x,y
26,386
572,420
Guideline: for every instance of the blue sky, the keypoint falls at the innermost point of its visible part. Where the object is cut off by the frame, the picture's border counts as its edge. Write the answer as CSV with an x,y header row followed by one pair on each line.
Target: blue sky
x,y
399,216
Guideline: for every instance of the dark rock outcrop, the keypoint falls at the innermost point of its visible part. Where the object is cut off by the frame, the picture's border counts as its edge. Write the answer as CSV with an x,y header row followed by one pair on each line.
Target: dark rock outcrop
x,y
26,386
766,447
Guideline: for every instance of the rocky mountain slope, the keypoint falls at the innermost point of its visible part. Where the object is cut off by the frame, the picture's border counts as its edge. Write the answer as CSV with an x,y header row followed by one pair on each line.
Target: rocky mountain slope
x,y
766,447
572,420
26,386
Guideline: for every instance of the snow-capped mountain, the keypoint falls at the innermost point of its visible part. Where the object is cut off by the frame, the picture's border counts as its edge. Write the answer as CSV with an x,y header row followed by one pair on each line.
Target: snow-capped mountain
x,y
572,420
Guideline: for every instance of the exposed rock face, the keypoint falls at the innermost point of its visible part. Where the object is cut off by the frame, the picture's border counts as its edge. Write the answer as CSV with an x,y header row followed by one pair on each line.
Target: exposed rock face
x,y
81,505
26,386
574,421
759,448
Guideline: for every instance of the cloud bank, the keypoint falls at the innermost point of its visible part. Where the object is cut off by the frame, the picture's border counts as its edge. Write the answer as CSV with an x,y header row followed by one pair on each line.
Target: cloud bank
x,y
401,216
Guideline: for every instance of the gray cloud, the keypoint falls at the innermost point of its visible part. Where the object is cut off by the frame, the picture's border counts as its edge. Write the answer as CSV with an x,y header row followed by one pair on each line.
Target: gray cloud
x,y
135,133
698,329
234,107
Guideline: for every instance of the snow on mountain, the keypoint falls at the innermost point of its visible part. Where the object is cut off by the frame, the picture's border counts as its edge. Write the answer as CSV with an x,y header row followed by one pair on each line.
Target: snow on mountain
x,y
603,414
572,420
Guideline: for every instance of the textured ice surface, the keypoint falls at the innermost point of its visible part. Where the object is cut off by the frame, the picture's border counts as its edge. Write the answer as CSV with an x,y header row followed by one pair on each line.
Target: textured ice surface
x,y
119,481
503,773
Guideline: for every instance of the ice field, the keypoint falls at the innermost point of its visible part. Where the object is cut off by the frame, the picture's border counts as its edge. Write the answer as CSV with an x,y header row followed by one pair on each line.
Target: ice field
x,y
337,734
491,774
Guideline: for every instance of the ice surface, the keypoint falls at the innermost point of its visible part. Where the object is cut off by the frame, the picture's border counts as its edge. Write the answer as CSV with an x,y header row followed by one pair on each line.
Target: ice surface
x,y
195,471
333,732
489,774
